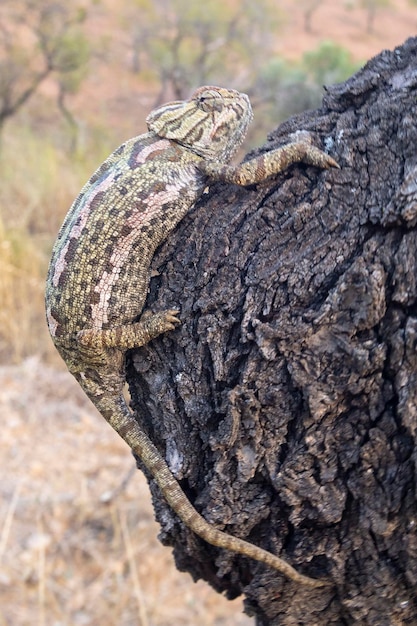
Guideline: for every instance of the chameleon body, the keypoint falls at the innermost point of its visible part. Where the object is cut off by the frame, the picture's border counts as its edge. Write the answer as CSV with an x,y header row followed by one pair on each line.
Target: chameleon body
x,y
99,271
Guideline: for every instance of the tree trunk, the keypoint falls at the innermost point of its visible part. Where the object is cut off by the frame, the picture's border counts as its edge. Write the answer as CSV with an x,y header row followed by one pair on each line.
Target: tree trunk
x,y
286,403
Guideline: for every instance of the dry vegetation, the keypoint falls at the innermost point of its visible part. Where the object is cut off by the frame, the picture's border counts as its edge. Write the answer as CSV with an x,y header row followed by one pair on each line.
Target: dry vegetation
x,y
75,550
68,556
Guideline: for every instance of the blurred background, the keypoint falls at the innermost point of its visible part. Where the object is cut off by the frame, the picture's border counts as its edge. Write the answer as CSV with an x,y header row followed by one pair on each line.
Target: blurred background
x,y
76,80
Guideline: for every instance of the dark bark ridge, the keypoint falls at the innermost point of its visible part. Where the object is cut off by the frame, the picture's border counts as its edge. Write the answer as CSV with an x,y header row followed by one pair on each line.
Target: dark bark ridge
x,y
286,403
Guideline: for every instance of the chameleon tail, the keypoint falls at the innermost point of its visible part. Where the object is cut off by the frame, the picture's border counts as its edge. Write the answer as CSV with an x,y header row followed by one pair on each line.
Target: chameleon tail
x,y
116,412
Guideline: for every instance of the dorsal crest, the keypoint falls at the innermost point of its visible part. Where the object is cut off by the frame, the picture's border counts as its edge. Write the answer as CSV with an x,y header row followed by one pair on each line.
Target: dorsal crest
x,y
212,123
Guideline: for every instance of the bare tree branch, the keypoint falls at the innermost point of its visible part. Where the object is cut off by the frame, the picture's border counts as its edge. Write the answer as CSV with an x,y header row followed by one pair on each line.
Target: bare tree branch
x,y
51,45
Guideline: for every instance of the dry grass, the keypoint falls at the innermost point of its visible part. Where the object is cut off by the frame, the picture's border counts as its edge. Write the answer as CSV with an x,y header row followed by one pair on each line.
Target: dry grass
x,y
39,183
21,294
70,555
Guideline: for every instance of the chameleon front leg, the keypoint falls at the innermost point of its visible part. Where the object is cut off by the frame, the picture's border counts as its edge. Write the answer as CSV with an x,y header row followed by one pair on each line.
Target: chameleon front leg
x,y
261,167
132,335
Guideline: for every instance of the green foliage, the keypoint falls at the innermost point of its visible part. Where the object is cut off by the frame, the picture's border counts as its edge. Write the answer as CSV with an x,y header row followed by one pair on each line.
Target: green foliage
x,y
39,39
74,54
188,44
329,63
284,88
374,4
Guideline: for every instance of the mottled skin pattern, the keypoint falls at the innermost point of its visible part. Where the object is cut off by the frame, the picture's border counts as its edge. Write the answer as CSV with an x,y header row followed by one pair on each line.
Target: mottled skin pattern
x,y
99,272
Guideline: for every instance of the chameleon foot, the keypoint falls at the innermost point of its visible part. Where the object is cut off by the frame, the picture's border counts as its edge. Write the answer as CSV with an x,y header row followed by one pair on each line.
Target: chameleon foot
x,y
318,158
132,335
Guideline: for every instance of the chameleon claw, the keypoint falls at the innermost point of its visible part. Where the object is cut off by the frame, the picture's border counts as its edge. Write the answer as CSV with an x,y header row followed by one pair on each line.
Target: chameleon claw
x,y
330,162
318,158
171,318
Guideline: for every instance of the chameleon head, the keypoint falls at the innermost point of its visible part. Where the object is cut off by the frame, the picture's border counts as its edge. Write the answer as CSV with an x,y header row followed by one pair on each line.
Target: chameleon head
x,y
212,123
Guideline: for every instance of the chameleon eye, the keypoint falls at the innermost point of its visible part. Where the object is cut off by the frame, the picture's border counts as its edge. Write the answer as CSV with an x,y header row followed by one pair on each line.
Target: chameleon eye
x,y
210,101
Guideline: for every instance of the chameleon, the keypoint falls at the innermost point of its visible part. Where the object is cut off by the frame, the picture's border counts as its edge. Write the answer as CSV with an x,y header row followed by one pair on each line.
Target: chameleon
x,y
99,272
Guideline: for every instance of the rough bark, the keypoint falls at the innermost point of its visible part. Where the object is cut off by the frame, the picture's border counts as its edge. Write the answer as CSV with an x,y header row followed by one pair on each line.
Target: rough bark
x,y
286,403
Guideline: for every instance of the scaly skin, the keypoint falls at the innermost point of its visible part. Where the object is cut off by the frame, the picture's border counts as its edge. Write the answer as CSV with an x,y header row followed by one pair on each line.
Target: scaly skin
x,y
99,272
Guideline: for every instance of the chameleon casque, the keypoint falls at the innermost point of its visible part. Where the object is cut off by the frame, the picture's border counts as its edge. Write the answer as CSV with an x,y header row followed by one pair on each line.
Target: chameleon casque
x,y
100,267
